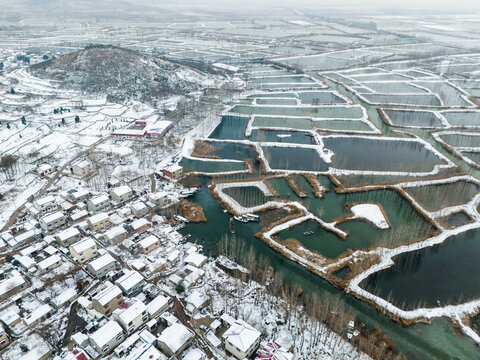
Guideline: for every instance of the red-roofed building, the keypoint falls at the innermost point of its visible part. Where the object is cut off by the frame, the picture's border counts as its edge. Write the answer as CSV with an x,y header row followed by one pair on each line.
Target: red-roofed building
x,y
273,351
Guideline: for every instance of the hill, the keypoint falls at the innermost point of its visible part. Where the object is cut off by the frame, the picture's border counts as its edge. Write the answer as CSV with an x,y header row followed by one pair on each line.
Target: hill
x,y
120,74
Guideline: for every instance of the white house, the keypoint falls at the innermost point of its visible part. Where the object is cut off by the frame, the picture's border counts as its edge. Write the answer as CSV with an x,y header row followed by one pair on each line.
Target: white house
x,y
157,306
174,339
50,263
82,168
241,339
173,172
148,244
196,259
99,203
102,265
131,282
131,315
53,221
37,315
107,300
11,285
106,338
139,226
195,302
45,204
121,194
68,236
115,235
159,198
80,195
139,209
44,169
99,222
84,250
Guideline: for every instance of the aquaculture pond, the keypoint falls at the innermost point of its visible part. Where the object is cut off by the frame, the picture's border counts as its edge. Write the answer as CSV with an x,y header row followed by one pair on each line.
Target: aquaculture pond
x,y
402,99
414,118
406,223
474,156
291,158
232,151
282,80
211,166
440,275
329,112
394,88
231,127
375,154
277,101
436,197
437,341
462,139
320,98
284,122
297,137
456,219
247,196
463,118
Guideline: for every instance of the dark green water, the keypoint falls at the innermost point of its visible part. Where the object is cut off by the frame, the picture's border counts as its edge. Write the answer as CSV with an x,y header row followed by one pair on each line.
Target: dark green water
x,y
419,342
445,273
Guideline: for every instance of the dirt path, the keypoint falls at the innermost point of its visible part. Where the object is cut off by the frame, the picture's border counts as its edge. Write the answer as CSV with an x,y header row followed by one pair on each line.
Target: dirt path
x,y
180,314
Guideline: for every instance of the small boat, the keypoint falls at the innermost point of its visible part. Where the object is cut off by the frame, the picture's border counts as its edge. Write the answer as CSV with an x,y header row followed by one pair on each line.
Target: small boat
x,y
241,218
308,233
252,217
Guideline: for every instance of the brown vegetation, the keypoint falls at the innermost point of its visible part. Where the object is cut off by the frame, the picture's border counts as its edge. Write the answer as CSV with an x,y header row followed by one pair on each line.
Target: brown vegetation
x,y
203,149
190,211
318,190
293,185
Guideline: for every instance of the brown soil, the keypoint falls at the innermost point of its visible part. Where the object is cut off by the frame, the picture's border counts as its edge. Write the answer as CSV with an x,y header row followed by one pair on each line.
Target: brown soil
x,y
190,211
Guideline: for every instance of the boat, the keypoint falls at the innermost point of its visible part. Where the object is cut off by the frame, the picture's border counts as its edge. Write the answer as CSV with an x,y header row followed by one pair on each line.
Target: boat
x,y
241,218
308,233
181,219
252,217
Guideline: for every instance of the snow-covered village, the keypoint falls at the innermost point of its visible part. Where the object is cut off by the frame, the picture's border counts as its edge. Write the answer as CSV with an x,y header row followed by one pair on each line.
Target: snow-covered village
x,y
271,181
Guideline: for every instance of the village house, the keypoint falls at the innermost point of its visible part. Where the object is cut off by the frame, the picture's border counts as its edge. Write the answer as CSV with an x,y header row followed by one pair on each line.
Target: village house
x,y
107,300
99,203
106,338
175,339
68,236
53,221
45,204
130,283
79,195
81,169
140,226
44,169
102,265
79,216
148,244
131,315
196,259
115,235
23,238
159,198
157,306
25,261
139,209
241,339
65,297
38,315
173,172
4,341
50,263
12,285
99,222
84,250
195,302
121,195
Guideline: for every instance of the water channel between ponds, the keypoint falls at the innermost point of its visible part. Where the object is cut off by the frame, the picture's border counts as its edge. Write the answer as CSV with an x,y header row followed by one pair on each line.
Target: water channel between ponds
x,y
418,342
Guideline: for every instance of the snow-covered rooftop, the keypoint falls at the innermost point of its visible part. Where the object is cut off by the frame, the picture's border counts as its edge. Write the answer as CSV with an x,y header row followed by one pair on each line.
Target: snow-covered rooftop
x,y
156,304
13,281
51,260
101,261
129,280
95,219
130,310
84,244
148,241
106,333
49,218
107,294
175,336
68,233
122,190
241,335
38,313
99,199
137,224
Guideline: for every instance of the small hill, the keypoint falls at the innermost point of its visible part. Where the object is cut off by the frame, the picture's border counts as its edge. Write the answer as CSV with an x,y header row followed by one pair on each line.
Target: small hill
x,y
120,74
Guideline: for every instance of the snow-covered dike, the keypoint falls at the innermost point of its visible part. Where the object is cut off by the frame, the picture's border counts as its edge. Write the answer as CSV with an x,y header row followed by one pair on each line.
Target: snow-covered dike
x,y
371,213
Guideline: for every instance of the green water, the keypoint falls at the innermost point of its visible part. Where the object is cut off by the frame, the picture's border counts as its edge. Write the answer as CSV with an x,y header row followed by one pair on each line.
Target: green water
x,y
420,342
